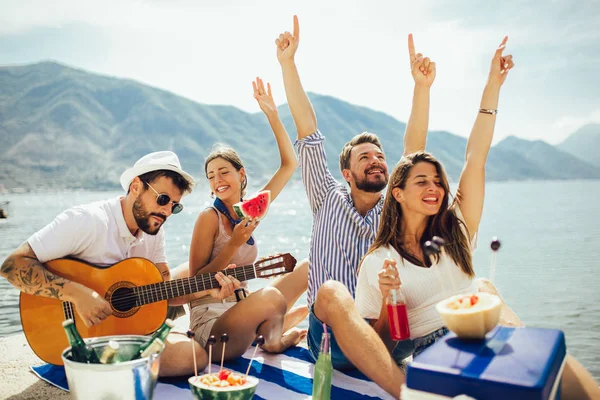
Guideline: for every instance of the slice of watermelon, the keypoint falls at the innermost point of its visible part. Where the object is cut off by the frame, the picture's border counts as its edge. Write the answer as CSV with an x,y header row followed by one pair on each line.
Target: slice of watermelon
x,y
254,207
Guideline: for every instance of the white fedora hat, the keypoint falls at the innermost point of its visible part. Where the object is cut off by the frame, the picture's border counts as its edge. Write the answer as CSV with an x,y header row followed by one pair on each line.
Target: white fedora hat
x,y
154,162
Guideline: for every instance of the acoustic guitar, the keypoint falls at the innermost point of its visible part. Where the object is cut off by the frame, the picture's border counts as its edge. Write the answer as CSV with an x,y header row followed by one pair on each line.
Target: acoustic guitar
x,y
137,295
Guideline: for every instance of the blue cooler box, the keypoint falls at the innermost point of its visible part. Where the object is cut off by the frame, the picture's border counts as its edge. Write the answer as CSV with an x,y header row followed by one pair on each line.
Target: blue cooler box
x,y
511,363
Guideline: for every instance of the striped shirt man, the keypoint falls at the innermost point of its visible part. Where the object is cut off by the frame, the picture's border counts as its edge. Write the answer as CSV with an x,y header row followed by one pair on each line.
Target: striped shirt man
x,y
340,235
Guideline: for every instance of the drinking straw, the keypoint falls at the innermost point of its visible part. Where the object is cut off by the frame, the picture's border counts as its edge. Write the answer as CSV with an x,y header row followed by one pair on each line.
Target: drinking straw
x,y
191,335
260,340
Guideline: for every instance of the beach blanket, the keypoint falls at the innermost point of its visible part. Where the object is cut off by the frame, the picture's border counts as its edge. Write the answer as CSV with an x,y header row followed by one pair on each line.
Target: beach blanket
x,y
282,376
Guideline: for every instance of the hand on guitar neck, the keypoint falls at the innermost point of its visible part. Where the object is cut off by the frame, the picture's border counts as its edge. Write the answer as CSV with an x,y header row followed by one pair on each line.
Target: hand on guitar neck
x,y
228,285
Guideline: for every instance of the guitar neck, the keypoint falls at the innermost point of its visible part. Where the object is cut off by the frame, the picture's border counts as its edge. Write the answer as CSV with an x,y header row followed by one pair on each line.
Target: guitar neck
x,y
180,287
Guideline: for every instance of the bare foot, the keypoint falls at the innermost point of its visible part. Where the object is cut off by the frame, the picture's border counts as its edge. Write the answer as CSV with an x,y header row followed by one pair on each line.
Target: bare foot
x,y
290,339
294,317
293,337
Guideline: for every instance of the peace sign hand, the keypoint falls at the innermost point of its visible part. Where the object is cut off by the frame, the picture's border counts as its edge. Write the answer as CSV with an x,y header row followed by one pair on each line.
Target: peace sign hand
x,y
264,98
501,64
421,68
287,44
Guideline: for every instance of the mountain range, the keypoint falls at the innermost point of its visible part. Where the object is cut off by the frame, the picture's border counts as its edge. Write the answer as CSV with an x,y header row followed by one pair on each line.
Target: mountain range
x,y
62,127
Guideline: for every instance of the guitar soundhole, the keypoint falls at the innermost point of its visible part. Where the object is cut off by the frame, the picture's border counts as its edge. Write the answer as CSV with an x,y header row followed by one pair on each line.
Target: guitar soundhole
x,y
123,299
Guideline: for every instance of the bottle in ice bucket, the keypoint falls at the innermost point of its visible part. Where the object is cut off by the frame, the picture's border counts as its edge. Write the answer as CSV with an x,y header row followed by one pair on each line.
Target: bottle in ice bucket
x,y
160,334
110,354
322,371
397,316
80,352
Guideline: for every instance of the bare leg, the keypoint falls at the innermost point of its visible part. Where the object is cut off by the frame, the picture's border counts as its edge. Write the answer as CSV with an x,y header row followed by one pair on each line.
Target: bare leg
x,y
577,382
507,315
294,316
177,358
292,286
181,271
359,342
261,313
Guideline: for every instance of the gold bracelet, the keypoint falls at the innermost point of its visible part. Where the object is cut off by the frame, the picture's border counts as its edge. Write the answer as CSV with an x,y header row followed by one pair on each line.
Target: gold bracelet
x,y
486,111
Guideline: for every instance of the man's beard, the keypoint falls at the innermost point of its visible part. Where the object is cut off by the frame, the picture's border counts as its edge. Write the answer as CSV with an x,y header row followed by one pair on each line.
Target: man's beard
x,y
142,218
370,187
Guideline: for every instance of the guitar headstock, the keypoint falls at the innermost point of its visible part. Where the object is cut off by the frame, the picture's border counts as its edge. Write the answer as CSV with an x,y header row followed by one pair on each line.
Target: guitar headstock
x,y
274,265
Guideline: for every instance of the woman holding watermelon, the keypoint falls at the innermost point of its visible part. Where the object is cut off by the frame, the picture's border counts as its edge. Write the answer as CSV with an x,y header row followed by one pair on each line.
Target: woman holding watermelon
x,y
220,239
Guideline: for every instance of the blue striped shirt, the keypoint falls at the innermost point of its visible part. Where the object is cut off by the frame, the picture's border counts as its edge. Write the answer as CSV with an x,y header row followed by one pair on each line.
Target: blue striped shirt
x,y
340,235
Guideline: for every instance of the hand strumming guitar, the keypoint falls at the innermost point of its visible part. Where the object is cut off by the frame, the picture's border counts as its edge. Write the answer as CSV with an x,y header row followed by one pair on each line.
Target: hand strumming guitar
x,y
90,306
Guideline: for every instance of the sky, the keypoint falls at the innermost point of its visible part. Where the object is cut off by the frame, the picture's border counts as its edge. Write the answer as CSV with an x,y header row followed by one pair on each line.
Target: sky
x,y
209,51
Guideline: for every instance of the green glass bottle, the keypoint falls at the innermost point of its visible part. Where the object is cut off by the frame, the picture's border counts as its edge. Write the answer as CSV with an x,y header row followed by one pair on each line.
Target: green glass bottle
x,y
156,346
161,334
80,352
323,371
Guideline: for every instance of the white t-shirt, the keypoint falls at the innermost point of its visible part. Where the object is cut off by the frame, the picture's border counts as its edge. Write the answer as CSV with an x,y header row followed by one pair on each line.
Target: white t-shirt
x,y
422,287
96,233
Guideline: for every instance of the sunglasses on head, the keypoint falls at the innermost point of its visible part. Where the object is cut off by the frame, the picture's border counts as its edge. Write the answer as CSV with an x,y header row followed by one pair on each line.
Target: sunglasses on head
x,y
164,199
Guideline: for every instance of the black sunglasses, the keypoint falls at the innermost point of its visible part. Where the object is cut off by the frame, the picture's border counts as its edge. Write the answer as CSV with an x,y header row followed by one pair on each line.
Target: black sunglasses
x,y
164,199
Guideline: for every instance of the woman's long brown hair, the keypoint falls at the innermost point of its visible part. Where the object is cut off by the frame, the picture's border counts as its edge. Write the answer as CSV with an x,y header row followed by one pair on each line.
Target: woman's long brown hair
x,y
444,224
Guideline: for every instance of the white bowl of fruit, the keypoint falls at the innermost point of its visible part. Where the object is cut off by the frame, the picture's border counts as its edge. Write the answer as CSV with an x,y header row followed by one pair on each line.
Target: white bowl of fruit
x,y
470,316
224,384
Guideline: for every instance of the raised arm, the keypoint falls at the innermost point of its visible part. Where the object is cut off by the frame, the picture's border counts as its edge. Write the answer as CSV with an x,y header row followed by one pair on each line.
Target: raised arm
x,y
289,162
471,186
300,107
316,176
423,73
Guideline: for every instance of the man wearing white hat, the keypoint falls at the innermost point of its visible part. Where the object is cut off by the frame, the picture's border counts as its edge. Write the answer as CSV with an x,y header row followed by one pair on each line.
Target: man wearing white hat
x,y
107,232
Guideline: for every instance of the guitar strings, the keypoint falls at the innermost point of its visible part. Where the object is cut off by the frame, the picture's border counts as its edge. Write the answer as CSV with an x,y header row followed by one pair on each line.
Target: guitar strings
x,y
154,291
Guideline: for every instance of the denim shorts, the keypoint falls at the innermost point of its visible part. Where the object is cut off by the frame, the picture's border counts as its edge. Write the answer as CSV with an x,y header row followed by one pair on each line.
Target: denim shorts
x,y
313,338
423,342
402,350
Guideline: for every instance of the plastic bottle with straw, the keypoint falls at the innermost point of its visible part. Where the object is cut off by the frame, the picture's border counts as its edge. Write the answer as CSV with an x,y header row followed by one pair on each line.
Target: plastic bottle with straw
x,y
323,370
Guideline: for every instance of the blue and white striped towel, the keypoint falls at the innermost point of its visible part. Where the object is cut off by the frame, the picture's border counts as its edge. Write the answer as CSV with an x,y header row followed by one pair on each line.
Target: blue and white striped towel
x,y
282,376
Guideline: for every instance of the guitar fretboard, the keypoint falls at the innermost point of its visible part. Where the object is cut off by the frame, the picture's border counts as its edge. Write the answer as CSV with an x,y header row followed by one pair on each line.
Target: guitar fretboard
x,y
180,287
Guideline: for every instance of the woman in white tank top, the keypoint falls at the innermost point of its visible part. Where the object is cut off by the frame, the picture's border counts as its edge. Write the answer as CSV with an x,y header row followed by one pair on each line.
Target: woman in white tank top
x,y
417,207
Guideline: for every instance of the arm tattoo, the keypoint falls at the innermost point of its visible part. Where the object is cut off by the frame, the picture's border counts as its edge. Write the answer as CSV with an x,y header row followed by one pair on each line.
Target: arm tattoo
x,y
23,270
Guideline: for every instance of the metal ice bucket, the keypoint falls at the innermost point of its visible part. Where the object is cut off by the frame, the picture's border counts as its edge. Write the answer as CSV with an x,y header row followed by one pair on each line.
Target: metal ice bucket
x,y
127,380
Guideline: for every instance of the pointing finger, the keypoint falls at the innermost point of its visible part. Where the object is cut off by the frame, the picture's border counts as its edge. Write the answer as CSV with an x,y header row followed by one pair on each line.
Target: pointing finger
x,y
411,47
500,48
269,90
296,28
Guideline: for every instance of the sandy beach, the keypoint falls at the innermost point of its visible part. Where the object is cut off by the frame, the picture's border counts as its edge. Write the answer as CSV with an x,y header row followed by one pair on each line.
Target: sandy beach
x,y
19,383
